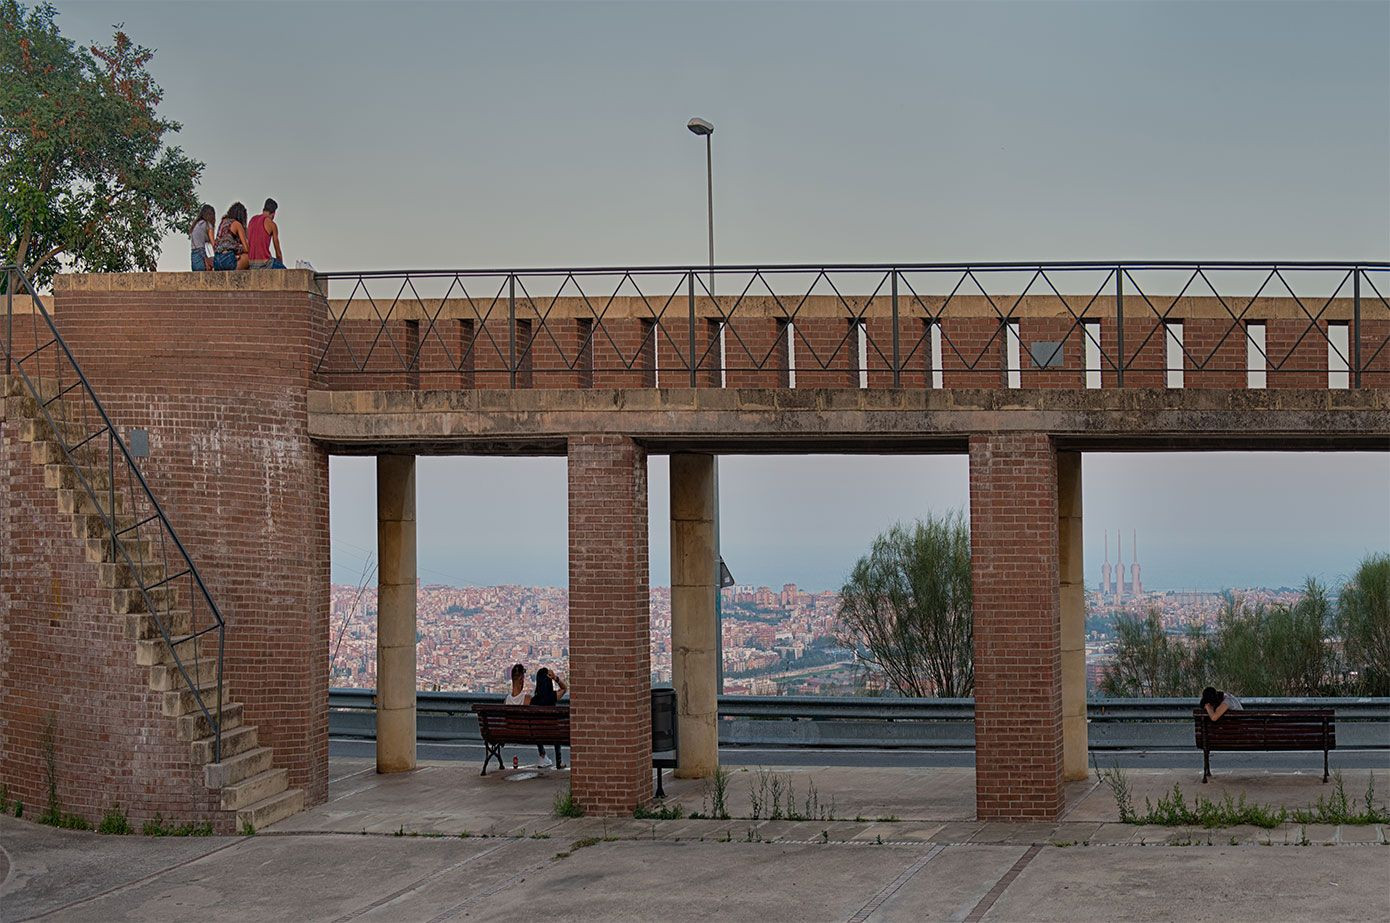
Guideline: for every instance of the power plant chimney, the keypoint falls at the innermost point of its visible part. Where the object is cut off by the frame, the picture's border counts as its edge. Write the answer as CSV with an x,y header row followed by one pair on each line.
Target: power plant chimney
x,y
1105,588
1120,565
1135,585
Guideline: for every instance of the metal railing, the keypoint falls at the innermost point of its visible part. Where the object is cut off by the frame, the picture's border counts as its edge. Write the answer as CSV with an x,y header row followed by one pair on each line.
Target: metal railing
x,y
841,721
894,324
134,539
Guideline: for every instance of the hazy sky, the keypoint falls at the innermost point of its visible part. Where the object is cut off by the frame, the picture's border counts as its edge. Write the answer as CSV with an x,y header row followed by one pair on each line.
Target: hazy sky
x,y
523,134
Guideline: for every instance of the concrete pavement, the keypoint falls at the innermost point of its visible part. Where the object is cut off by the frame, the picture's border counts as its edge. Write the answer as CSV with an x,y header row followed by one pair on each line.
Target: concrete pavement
x,y
443,843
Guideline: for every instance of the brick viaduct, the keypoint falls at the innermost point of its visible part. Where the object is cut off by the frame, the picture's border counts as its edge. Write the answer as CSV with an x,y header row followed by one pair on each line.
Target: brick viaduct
x,y
247,382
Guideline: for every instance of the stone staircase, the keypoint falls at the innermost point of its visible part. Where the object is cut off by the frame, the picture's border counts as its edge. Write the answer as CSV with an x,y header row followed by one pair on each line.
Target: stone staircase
x,y
246,778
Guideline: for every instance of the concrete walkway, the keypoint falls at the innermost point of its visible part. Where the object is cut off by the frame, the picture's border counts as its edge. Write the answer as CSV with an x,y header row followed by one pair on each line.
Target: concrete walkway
x,y
902,845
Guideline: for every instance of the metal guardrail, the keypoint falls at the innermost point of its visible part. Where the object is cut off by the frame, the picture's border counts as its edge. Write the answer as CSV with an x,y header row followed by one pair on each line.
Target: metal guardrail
x,y
815,721
413,322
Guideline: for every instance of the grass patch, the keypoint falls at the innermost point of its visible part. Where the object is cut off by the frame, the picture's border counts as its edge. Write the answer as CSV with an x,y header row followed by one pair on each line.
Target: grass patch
x,y
662,811
53,817
115,823
1173,809
566,806
585,843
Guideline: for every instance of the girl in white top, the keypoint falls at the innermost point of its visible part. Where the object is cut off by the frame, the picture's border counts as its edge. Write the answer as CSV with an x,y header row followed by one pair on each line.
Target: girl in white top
x,y
518,694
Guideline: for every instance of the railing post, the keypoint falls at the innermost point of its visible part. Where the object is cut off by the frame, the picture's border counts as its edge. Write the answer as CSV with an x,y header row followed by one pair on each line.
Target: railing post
x,y
511,330
9,318
690,288
1120,326
111,488
897,364
1356,327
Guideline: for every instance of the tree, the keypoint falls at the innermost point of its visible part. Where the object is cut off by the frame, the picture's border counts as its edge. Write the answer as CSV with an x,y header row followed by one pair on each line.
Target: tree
x,y
1363,621
85,173
1149,661
906,607
1273,651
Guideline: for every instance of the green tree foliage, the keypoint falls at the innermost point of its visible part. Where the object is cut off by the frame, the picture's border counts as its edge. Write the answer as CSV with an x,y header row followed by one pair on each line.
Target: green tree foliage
x,y
1363,622
85,173
1280,650
906,607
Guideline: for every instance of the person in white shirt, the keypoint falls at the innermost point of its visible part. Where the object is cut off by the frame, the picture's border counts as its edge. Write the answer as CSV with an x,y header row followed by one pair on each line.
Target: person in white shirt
x,y
1217,703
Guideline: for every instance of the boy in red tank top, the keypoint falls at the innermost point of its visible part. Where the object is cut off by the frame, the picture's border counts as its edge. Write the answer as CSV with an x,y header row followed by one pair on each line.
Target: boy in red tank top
x,y
263,232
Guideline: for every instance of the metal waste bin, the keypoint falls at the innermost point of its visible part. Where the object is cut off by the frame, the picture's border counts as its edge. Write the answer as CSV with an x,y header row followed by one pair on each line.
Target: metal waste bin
x,y
663,733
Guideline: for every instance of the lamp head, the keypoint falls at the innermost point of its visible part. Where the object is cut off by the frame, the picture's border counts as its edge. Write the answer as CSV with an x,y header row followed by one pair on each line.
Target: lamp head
x,y
700,127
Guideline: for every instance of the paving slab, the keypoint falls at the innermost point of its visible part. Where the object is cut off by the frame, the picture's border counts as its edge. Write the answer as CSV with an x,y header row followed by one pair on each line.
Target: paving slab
x,y
1229,884
949,885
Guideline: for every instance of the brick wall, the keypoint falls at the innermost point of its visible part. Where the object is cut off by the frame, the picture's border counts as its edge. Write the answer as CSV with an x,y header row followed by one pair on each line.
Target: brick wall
x,y
219,378
1014,565
610,632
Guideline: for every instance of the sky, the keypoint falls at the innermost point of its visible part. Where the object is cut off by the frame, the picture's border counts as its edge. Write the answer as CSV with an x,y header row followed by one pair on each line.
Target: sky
x,y
452,135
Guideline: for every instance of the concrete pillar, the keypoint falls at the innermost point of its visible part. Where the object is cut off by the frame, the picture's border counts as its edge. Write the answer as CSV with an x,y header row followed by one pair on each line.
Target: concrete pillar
x,y
694,612
395,634
1018,643
610,625
1072,573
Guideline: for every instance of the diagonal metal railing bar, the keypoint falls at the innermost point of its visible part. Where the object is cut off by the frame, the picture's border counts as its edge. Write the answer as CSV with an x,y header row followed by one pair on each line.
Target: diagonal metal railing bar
x,y
726,319
660,316
1077,319
1235,319
1368,361
1312,319
542,318
946,339
482,327
549,332
85,464
337,325
1163,318
384,326
1003,318
599,317
859,316
823,365
423,338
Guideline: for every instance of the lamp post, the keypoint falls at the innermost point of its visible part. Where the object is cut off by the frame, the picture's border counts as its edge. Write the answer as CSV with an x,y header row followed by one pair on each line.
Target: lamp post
x,y
706,129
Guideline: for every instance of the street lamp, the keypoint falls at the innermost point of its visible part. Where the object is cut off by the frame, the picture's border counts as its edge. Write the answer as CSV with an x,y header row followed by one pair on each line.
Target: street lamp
x,y
702,127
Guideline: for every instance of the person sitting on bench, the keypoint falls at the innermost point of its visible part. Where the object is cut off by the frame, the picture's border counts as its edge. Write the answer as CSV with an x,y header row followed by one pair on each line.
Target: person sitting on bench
x,y
546,681
1217,703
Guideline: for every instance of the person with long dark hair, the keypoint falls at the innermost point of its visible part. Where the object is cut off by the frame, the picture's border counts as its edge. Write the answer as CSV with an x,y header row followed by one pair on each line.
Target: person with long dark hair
x,y
231,250
546,694
1217,703
200,238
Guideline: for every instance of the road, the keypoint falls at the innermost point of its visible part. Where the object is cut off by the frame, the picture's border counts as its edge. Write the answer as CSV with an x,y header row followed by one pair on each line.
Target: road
x,y
1347,760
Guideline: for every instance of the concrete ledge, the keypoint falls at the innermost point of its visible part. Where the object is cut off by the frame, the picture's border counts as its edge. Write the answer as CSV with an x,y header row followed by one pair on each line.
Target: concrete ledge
x,y
847,419
249,280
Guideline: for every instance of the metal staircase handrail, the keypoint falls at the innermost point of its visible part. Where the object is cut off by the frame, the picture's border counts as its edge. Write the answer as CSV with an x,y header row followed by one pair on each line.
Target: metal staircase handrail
x,y
13,276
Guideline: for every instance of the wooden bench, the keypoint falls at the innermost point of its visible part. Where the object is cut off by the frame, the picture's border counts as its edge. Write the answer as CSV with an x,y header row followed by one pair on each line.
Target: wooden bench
x,y
546,725
1266,729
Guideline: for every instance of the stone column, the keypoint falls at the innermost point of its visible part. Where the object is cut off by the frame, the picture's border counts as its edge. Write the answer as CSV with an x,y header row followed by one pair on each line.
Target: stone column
x,y
694,613
395,634
610,625
1072,573
1018,644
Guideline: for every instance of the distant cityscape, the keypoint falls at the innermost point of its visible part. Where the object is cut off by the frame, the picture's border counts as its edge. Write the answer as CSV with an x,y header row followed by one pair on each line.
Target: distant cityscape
x,y
776,641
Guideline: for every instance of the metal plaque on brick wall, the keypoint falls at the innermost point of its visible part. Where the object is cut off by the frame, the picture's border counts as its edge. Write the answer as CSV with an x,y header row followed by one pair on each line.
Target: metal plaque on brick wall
x,y
138,441
1046,355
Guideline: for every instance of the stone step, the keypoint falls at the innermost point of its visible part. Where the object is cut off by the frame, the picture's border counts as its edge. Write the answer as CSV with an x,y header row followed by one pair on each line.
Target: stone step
x,y
235,740
152,651
99,550
77,501
142,626
233,769
48,452
165,677
124,576
132,601
184,702
94,526
195,726
278,807
72,432
15,386
62,476
254,789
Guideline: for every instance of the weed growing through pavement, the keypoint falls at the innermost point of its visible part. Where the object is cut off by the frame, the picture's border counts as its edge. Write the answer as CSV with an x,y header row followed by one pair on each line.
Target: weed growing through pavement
x,y
566,806
157,827
115,823
662,811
